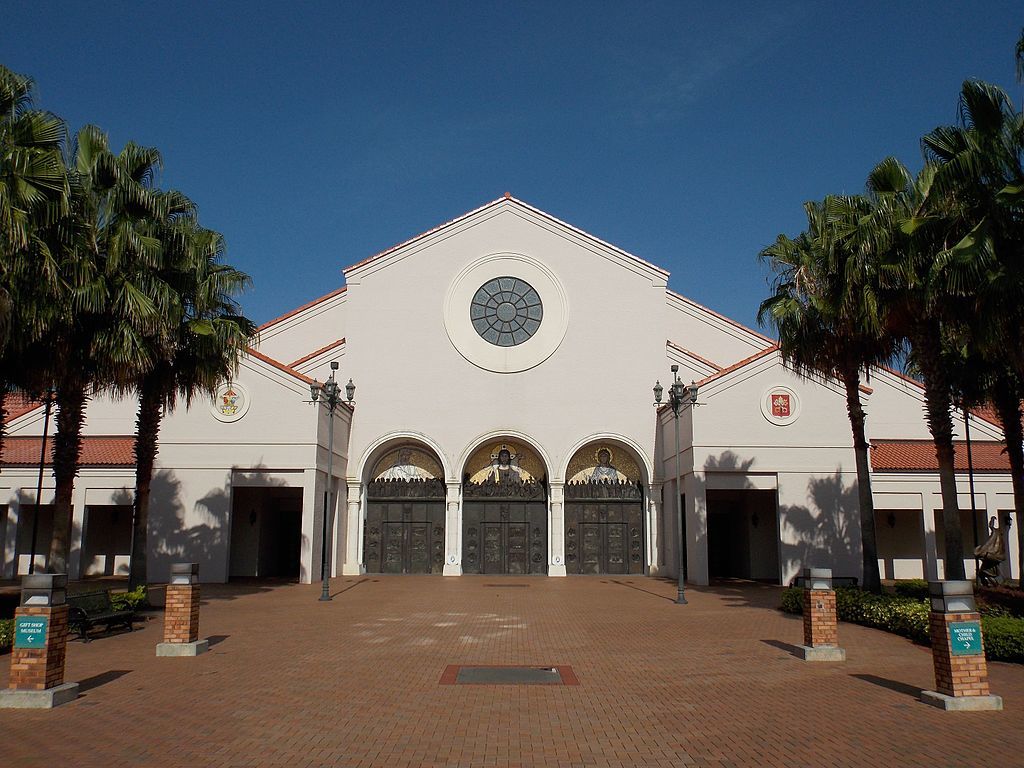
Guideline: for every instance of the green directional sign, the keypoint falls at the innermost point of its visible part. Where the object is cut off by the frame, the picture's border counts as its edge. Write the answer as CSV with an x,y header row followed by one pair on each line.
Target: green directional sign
x,y
30,631
965,638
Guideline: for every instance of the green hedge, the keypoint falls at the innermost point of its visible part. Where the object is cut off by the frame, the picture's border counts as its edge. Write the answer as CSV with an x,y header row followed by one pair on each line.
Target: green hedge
x,y
6,634
908,616
134,600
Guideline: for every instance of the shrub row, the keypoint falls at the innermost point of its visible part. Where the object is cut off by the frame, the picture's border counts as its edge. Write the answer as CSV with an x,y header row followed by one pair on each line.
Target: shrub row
x,y
6,634
134,600
908,616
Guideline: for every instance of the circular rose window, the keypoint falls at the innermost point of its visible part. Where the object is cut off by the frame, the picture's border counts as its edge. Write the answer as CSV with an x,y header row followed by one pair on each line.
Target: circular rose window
x,y
506,311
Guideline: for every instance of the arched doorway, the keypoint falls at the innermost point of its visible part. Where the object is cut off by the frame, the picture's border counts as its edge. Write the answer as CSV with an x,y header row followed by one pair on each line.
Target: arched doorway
x,y
604,530
504,510
404,530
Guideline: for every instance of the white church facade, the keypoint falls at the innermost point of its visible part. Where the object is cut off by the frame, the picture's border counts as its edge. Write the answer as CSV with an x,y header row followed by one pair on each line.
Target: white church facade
x,y
504,423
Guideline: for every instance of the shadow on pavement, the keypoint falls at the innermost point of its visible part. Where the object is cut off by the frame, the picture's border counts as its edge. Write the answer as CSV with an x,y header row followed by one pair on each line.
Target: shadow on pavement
x,y
641,589
789,648
101,679
216,639
351,586
892,685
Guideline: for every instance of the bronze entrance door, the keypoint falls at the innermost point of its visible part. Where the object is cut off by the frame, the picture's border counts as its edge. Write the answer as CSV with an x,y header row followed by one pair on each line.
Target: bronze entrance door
x,y
604,528
504,537
404,531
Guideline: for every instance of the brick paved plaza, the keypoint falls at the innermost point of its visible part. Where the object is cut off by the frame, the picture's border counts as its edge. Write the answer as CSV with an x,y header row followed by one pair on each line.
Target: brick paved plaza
x,y
357,682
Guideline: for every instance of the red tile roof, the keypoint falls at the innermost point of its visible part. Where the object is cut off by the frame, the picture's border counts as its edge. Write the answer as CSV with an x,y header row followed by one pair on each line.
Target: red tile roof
x,y
105,451
279,365
694,355
314,353
304,307
18,404
919,456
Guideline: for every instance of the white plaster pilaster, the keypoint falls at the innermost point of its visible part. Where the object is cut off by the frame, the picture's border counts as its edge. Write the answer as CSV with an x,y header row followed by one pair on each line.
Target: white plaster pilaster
x,y
9,546
354,516
556,529
78,532
453,530
653,526
931,561
312,525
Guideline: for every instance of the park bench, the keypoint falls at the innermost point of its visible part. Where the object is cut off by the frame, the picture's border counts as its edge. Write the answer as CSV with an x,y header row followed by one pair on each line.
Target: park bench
x,y
837,581
88,609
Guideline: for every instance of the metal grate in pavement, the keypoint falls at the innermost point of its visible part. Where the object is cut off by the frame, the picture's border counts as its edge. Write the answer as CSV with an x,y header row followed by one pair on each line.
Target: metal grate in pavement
x,y
457,674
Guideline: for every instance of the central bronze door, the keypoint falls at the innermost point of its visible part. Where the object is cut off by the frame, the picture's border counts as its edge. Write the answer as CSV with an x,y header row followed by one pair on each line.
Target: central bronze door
x,y
504,528
603,528
504,537
404,530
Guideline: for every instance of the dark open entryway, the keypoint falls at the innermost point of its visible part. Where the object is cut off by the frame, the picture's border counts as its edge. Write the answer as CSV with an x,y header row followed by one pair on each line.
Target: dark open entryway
x,y
266,532
743,534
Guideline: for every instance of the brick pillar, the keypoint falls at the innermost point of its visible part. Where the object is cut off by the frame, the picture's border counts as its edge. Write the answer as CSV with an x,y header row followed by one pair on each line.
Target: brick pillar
x,y
181,613
956,675
958,650
38,669
820,618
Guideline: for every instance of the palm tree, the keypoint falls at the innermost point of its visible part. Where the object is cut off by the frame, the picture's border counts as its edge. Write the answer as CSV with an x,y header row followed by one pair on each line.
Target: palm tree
x,y
196,349
980,166
912,228
825,311
116,296
33,191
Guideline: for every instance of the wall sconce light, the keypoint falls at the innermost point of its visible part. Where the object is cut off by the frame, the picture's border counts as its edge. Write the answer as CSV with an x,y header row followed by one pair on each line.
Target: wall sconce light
x,y
252,517
891,519
754,520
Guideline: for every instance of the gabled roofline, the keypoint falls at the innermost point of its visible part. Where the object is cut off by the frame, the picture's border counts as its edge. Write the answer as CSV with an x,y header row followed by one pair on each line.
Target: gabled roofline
x,y
303,308
506,198
694,355
279,365
753,359
737,365
720,316
975,412
311,355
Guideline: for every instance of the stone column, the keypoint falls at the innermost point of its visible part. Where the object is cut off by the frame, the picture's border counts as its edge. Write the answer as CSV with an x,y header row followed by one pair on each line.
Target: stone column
x,y
931,562
653,523
181,614
8,547
820,632
40,646
696,537
556,530
354,531
453,530
79,524
958,650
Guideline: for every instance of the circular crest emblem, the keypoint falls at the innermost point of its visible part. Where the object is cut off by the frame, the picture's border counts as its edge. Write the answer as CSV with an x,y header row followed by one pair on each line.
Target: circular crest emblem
x,y
231,402
780,405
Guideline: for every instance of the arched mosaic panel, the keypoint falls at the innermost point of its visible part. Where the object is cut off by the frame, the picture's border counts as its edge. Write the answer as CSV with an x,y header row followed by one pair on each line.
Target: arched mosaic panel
x,y
489,462
598,462
407,462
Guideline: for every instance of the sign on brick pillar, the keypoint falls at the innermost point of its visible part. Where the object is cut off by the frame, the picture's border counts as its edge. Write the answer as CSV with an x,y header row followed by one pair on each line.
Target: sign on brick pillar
x,y
958,650
181,614
40,646
821,636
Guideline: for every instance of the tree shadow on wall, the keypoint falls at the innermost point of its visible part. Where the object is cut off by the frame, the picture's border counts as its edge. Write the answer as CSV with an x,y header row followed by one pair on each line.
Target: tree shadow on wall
x,y
827,533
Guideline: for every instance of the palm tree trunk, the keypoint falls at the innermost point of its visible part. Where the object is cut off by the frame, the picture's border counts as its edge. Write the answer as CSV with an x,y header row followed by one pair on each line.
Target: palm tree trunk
x,y
869,545
67,447
147,433
1007,402
938,402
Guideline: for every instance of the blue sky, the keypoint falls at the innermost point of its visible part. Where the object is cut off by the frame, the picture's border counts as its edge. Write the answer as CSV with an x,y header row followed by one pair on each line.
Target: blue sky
x,y
316,134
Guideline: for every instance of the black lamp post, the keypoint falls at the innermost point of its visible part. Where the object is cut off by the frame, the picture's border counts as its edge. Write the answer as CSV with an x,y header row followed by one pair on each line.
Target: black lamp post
x,y
679,395
50,397
329,393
